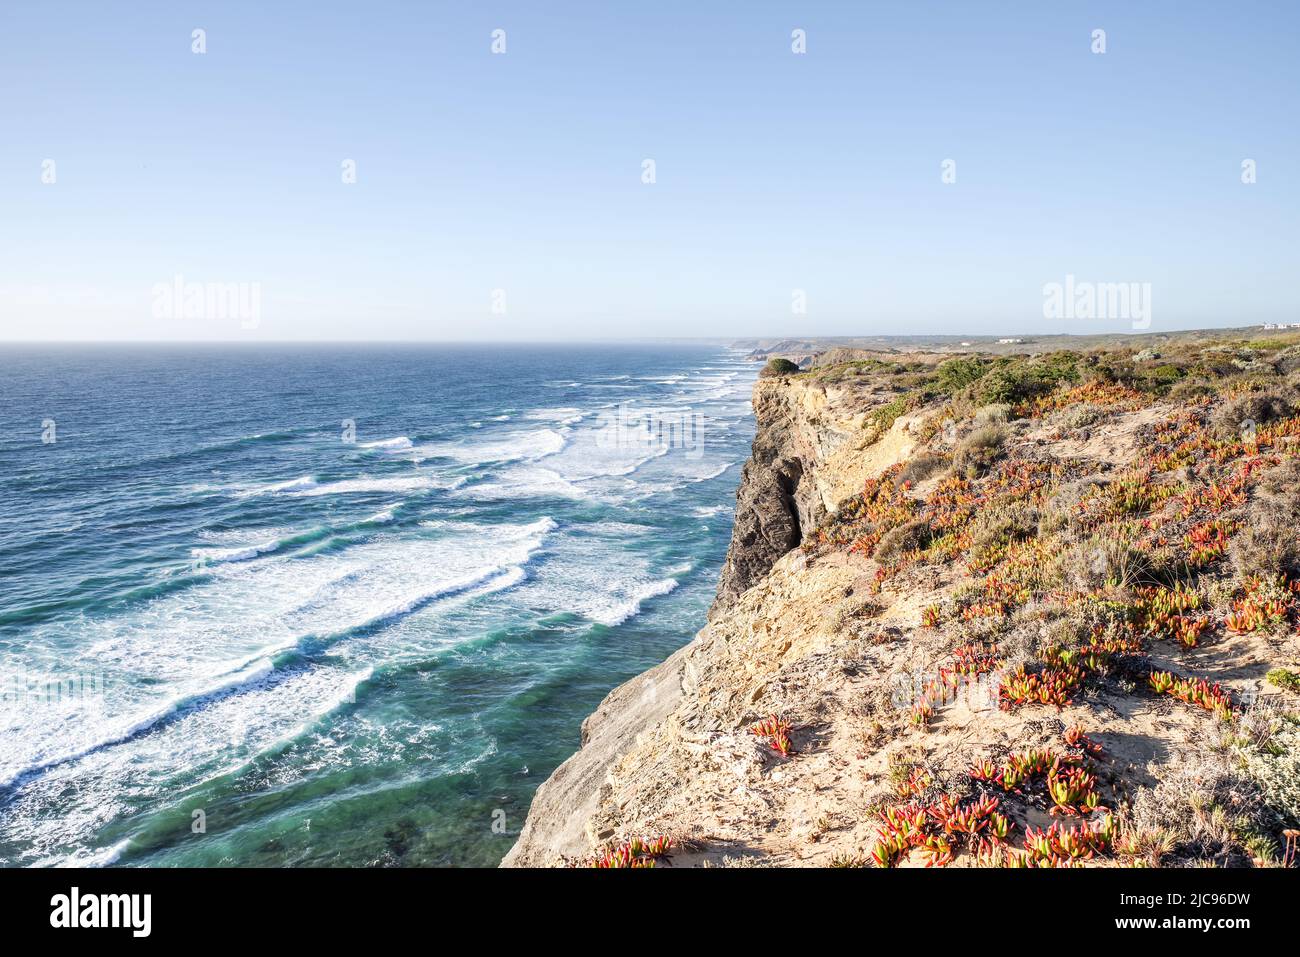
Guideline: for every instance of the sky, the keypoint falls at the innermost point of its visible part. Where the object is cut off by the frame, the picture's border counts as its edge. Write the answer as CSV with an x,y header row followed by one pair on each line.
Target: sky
x,y
923,168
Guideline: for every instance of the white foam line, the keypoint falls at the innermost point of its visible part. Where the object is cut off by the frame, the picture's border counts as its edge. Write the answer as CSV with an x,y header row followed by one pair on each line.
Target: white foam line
x,y
621,613
101,858
243,677
237,554
397,442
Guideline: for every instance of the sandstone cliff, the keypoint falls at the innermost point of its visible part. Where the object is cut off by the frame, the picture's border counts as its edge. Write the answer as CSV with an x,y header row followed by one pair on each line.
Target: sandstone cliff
x,y
983,544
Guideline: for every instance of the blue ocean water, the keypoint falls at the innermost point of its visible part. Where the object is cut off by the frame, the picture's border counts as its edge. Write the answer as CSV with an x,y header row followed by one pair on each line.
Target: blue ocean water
x,y
337,605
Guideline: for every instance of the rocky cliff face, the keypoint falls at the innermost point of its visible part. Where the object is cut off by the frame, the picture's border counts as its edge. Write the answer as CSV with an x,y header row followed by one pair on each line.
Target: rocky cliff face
x,y
1060,604
807,456
810,452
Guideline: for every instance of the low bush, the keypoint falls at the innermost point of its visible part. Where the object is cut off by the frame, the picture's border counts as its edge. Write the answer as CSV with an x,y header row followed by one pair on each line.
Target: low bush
x,y
778,366
1268,545
955,374
1284,678
922,466
979,450
1253,407
897,542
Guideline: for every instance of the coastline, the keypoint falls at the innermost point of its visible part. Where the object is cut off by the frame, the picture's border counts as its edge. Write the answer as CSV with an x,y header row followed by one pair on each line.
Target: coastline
x,y
808,455
935,564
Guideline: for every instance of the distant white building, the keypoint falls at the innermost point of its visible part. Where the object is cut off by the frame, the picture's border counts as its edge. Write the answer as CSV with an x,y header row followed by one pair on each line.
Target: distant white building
x,y
1009,342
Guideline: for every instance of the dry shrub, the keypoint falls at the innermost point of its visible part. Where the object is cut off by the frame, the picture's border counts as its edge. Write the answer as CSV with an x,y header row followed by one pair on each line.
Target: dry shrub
x,y
1281,480
907,537
1267,545
922,467
1256,407
1108,560
1060,513
1206,808
1288,360
1191,389
979,450
1037,629
1083,415
853,610
1269,542
1005,522
1267,746
996,413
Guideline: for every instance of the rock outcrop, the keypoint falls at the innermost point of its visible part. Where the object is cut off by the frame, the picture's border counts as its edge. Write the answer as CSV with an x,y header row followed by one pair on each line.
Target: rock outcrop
x,y
806,433
1084,569
809,454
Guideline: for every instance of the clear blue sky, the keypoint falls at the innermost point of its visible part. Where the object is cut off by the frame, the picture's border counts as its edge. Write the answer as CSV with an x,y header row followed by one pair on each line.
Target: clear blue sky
x,y
522,171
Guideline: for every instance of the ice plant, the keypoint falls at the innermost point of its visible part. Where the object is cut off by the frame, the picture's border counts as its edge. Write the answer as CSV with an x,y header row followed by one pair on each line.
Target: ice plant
x,y
635,852
1208,541
1021,767
973,661
916,782
936,851
1163,613
1160,681
885,852
999,826
930,617
1194,691
1042,843
1071,790
1256,610
1076,738
777,732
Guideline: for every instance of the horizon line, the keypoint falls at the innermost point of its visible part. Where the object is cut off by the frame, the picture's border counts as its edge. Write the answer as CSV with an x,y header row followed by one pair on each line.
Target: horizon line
x,y
974,336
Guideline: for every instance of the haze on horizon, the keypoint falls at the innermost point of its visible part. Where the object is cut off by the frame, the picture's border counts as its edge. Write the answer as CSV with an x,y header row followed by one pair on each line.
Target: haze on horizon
x,y
378,172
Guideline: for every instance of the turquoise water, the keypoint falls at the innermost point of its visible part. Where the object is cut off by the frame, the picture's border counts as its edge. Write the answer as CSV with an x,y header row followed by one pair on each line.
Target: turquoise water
x,y
337,605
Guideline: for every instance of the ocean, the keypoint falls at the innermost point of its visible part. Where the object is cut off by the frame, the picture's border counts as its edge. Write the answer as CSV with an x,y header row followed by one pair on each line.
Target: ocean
x,y
337,605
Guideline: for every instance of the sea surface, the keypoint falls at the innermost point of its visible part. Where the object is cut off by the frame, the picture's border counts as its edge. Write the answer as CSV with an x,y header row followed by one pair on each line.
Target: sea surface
x,y
337,605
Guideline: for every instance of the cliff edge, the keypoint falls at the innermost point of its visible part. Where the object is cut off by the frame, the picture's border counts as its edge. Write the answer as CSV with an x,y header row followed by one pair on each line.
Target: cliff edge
x,y
1009,593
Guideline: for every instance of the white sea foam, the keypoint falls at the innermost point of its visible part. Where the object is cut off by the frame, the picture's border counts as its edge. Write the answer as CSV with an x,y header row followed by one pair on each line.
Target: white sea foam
x,y
124,728
102,857
713,473
405,483
515,447
308,486
619,608
236,554
522,482
219,638
201,743
395,444
383,517
292,485
567,415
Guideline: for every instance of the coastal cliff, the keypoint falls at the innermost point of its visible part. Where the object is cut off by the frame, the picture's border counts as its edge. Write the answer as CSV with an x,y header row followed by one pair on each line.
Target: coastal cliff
x,y
907,531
